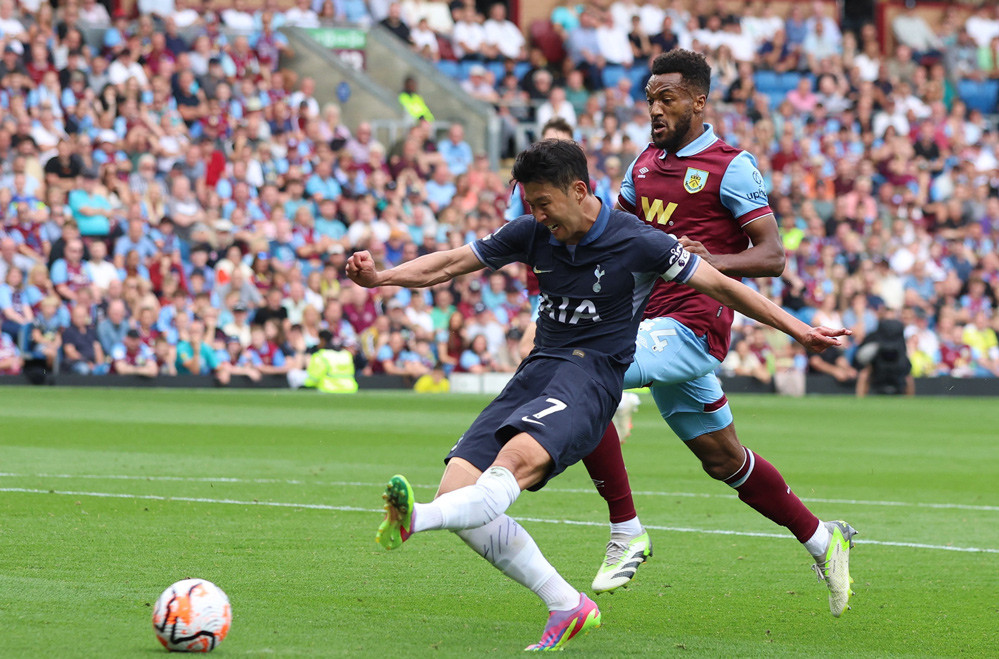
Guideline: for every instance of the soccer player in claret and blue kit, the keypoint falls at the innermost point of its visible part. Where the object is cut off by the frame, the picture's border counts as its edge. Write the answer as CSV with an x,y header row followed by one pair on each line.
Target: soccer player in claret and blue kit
x,y
595,268
692,185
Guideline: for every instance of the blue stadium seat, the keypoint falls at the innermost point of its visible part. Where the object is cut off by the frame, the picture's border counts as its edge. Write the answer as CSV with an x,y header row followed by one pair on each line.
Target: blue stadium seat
x,y
612,73
520,69
639,75
981,96
466,66
498,71
767,82
788,81
449,68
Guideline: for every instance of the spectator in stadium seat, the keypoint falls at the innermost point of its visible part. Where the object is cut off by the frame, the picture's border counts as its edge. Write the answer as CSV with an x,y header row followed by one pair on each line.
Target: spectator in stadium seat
x,y
90,206
394,23
301,15
133,357
239,327
82,352
583,48
195,356
501,37
468,36
63,169
396,358
352,12
440,188
69,274
426,42
663,40
455,151
112,328
556,106
46,334
16,313
477,358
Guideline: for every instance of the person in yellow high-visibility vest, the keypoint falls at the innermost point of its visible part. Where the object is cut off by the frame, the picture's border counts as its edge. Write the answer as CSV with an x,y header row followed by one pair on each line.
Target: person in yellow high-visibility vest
x,y
332,372
413,102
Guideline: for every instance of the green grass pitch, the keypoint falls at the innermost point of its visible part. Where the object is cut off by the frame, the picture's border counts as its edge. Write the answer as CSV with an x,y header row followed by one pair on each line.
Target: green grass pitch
x,y
108,496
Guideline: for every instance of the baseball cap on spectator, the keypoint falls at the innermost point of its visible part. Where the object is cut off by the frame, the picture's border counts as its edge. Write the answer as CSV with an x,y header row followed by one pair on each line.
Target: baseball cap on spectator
x,y
263,255
223,225
394,304
479,308
107,135
477,70
14,47
90,172
475,285
133,334
239,307
254,104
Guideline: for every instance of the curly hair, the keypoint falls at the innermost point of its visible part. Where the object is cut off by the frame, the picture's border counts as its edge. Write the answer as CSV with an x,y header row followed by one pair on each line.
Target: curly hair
x,y
694,69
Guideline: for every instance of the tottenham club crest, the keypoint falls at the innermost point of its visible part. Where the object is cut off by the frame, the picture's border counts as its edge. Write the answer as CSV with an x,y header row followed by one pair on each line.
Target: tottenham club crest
x,y
598,273
694,180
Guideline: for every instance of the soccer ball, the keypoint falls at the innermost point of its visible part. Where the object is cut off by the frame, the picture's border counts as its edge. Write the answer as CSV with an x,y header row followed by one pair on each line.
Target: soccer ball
x,y
192,615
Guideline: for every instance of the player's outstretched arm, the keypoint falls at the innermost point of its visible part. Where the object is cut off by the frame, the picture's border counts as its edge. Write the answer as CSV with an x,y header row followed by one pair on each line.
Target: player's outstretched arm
x,y
765,258
745,300
426,270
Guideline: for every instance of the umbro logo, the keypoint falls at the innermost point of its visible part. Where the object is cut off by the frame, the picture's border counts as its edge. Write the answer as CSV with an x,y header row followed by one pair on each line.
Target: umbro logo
x,y
642,172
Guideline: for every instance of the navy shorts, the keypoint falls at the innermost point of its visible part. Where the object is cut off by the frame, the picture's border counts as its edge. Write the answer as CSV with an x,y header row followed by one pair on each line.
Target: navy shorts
x,y
556,402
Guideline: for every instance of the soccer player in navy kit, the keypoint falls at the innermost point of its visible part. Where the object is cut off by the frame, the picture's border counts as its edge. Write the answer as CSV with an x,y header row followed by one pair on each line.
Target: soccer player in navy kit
x,y
691,184
596,268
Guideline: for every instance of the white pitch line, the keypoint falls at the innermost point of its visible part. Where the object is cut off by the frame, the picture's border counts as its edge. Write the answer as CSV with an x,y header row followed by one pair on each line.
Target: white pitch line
x,y
648,493
538,520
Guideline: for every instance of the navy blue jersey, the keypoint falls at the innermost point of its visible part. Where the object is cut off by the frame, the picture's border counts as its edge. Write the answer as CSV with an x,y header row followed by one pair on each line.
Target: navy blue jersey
x,y
592,293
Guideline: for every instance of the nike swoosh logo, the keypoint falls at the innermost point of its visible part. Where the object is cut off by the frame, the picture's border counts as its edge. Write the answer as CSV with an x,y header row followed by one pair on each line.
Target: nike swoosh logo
x,y
530,420
541,272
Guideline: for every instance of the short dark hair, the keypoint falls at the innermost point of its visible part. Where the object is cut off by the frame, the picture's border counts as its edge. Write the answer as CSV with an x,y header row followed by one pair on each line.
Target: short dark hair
x,y
559,162
693,67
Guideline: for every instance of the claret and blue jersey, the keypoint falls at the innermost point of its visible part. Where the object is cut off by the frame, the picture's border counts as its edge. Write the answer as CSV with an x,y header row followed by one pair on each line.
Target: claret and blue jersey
x,y
708,191
592,293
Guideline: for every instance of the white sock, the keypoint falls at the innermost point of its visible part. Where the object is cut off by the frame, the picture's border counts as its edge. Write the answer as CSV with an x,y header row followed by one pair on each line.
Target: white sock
x,y
630,528
471,506
819,542
511,549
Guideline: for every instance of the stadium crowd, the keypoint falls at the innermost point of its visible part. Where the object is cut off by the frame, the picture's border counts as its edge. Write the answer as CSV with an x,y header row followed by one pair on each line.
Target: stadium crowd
x,y
173,201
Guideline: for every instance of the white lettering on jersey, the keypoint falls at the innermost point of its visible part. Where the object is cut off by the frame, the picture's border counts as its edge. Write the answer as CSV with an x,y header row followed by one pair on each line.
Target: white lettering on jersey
x,y
585,310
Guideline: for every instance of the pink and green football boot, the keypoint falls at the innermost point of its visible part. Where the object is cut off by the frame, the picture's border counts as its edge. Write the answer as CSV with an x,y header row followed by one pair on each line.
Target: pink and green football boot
x,y
395,529
562,626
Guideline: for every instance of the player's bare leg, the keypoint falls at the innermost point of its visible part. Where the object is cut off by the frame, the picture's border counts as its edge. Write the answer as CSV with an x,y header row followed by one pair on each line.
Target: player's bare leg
x,y
761,486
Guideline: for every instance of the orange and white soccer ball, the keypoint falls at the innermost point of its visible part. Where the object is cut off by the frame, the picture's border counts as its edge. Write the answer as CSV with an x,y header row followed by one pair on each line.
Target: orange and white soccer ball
x,y
192,615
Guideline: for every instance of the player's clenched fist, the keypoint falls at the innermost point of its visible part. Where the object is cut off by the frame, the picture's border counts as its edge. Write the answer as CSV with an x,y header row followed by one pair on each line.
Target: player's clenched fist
x,y
361,269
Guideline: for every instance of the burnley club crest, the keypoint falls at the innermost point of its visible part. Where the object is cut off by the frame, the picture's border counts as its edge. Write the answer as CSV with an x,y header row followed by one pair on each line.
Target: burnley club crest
x,y
694,180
